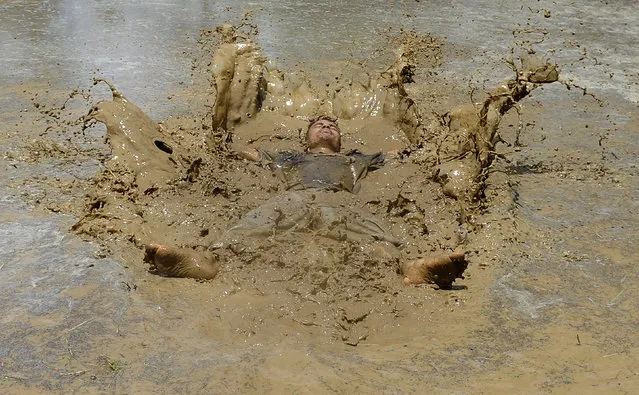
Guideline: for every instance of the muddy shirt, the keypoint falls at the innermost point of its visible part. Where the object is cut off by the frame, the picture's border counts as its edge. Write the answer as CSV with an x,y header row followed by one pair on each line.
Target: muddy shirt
x,y
336,172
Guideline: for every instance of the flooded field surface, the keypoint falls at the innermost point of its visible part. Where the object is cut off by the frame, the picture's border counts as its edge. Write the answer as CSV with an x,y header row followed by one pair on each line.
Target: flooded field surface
x,y
508,132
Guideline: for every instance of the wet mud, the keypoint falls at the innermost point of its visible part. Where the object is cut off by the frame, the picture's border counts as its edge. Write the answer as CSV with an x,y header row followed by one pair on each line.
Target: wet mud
x,y
346,290
329,249
462,142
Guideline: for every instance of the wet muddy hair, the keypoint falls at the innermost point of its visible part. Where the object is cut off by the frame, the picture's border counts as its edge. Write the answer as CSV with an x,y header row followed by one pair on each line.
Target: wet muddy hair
x,y
318,118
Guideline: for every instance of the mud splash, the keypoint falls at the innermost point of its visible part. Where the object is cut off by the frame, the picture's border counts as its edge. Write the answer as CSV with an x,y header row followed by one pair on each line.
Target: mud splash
x,y
247,83
137,142
548,301
466,145
181,185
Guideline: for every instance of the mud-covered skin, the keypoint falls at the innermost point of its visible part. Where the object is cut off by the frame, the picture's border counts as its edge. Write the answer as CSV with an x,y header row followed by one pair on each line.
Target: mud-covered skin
x,y
323,136
441,270
178,262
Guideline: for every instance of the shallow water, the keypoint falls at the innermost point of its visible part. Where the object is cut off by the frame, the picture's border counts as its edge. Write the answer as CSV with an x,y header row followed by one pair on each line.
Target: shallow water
x,y
562,302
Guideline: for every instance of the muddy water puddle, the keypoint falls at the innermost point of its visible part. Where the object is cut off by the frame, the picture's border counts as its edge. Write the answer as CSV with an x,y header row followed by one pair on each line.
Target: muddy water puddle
x,y
548,303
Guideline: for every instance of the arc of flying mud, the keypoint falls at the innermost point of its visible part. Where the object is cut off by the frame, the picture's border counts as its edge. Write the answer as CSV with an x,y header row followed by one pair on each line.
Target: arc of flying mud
x,y
476,131
239,79
136,140
244,86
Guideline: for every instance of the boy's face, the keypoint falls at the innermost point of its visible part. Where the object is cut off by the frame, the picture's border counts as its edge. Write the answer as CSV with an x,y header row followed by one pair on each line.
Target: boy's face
x,y
324,133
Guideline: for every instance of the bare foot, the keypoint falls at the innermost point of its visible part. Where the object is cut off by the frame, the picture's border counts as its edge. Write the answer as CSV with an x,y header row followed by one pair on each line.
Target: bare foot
x,y
180,262
441,270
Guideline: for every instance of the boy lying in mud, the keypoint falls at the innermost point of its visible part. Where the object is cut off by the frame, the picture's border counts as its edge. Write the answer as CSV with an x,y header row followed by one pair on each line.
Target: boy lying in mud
x,y
318,208
313,179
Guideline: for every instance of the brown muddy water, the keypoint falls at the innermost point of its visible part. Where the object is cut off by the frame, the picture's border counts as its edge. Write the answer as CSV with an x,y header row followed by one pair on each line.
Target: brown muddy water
x,y
549,300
